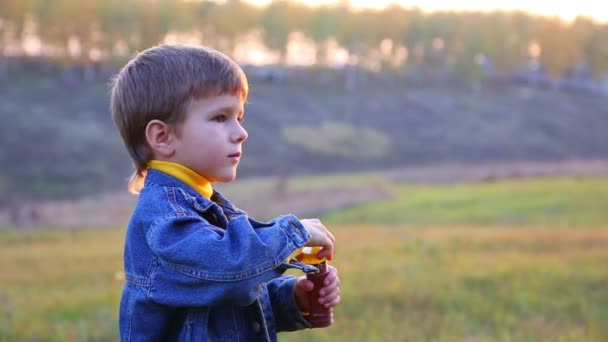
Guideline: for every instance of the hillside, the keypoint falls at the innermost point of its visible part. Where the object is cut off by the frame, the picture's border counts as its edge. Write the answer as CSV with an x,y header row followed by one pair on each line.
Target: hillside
x,y
58,141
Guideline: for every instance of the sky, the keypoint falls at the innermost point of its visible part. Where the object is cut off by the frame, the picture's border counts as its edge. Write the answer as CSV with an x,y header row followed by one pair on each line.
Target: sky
x,y
566,9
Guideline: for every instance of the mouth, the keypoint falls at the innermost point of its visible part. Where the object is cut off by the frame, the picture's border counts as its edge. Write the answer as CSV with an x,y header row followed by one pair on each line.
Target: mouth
x,y
235,155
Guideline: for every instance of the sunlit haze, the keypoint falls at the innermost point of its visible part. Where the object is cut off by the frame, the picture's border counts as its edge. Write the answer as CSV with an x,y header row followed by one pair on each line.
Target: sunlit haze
x,y
565,9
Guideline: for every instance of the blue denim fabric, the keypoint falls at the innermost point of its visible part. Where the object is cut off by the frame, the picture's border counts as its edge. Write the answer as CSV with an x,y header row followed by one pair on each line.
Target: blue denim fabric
x,y
201,270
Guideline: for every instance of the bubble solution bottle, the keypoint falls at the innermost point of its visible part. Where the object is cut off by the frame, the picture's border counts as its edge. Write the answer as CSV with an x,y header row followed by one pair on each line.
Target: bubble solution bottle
x,y
318,315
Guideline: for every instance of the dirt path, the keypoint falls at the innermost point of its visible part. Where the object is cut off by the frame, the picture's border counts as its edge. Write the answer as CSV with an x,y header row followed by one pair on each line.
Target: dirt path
x,y
113,209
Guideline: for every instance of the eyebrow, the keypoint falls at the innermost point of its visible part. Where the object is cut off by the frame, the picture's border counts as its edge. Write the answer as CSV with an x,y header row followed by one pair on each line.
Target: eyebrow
x,y
230,109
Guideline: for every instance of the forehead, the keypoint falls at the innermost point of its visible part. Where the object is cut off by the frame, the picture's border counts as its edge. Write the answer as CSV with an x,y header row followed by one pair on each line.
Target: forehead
x,y
212,104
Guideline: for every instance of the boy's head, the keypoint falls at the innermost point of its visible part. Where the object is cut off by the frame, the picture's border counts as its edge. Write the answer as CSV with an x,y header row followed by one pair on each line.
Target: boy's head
x,y
153,93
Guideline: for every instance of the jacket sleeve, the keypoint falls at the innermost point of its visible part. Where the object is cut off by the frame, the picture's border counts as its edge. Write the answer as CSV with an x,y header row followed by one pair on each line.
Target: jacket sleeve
x,y
286,313
198,264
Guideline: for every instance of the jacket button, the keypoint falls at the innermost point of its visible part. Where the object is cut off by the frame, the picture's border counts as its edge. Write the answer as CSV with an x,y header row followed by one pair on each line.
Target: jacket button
x,y
257,327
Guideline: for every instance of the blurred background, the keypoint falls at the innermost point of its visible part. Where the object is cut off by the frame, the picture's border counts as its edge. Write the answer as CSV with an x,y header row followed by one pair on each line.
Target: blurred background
x,y
459,151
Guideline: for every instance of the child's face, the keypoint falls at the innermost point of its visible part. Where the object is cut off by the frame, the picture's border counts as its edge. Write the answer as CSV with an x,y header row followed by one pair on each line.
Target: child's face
x,y
211,137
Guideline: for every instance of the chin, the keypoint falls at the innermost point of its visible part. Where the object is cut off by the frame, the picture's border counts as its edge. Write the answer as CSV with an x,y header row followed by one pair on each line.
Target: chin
x,y
226,178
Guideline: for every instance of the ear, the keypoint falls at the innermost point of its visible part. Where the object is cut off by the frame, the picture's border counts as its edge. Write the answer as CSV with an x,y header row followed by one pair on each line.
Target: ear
x,y
159,137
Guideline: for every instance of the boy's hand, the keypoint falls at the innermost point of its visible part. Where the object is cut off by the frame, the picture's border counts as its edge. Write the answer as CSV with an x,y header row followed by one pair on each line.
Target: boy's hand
x,y
329,294
319,236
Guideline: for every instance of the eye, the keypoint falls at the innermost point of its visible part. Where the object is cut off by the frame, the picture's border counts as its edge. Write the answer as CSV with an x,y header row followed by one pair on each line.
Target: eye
x,y
220,118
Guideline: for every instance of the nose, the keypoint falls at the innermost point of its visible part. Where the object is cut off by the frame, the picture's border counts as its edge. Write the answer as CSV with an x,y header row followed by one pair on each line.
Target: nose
x,y
240,135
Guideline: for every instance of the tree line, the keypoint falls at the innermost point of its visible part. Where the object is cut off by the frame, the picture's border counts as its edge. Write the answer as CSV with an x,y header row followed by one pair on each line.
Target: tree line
x,y
86,31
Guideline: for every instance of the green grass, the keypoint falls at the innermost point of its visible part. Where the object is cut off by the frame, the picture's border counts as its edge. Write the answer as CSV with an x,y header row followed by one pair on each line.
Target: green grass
x,y
398,283
551,201
465,274
60,285
456,284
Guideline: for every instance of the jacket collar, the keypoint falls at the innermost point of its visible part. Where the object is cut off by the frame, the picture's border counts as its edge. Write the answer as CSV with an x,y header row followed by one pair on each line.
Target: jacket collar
x,y
163,179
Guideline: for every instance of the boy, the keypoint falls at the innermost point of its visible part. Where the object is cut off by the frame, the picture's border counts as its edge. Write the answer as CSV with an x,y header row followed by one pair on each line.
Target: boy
x,y
197,268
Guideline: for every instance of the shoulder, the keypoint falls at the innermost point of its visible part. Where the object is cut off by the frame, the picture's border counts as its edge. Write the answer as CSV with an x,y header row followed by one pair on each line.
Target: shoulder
x,y
158,203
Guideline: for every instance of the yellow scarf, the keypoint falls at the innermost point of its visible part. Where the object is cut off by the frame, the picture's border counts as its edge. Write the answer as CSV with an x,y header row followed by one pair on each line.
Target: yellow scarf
x,y
199,183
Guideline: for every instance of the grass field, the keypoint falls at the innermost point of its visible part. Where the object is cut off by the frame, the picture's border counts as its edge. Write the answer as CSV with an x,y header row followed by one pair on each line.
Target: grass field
x,y
409,272
560,202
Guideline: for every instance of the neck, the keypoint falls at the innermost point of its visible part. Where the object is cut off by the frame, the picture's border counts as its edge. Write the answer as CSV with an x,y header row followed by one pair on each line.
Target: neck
x,y
197,182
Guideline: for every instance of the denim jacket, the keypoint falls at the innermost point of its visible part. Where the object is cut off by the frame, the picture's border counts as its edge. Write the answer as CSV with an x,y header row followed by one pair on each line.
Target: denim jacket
x,y
202,270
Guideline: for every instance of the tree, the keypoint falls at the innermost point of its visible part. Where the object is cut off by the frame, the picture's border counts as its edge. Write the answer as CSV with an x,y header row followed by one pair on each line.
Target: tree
x,y
280,19
558,52
12,13
229,21
321,26
592,41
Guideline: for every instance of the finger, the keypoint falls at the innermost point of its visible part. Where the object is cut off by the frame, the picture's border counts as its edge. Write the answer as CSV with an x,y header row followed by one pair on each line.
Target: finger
x,y
331,287
331,236
326,252
303,285
330,297
327,232
324,229
328,291
332,303
330,249
329,278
